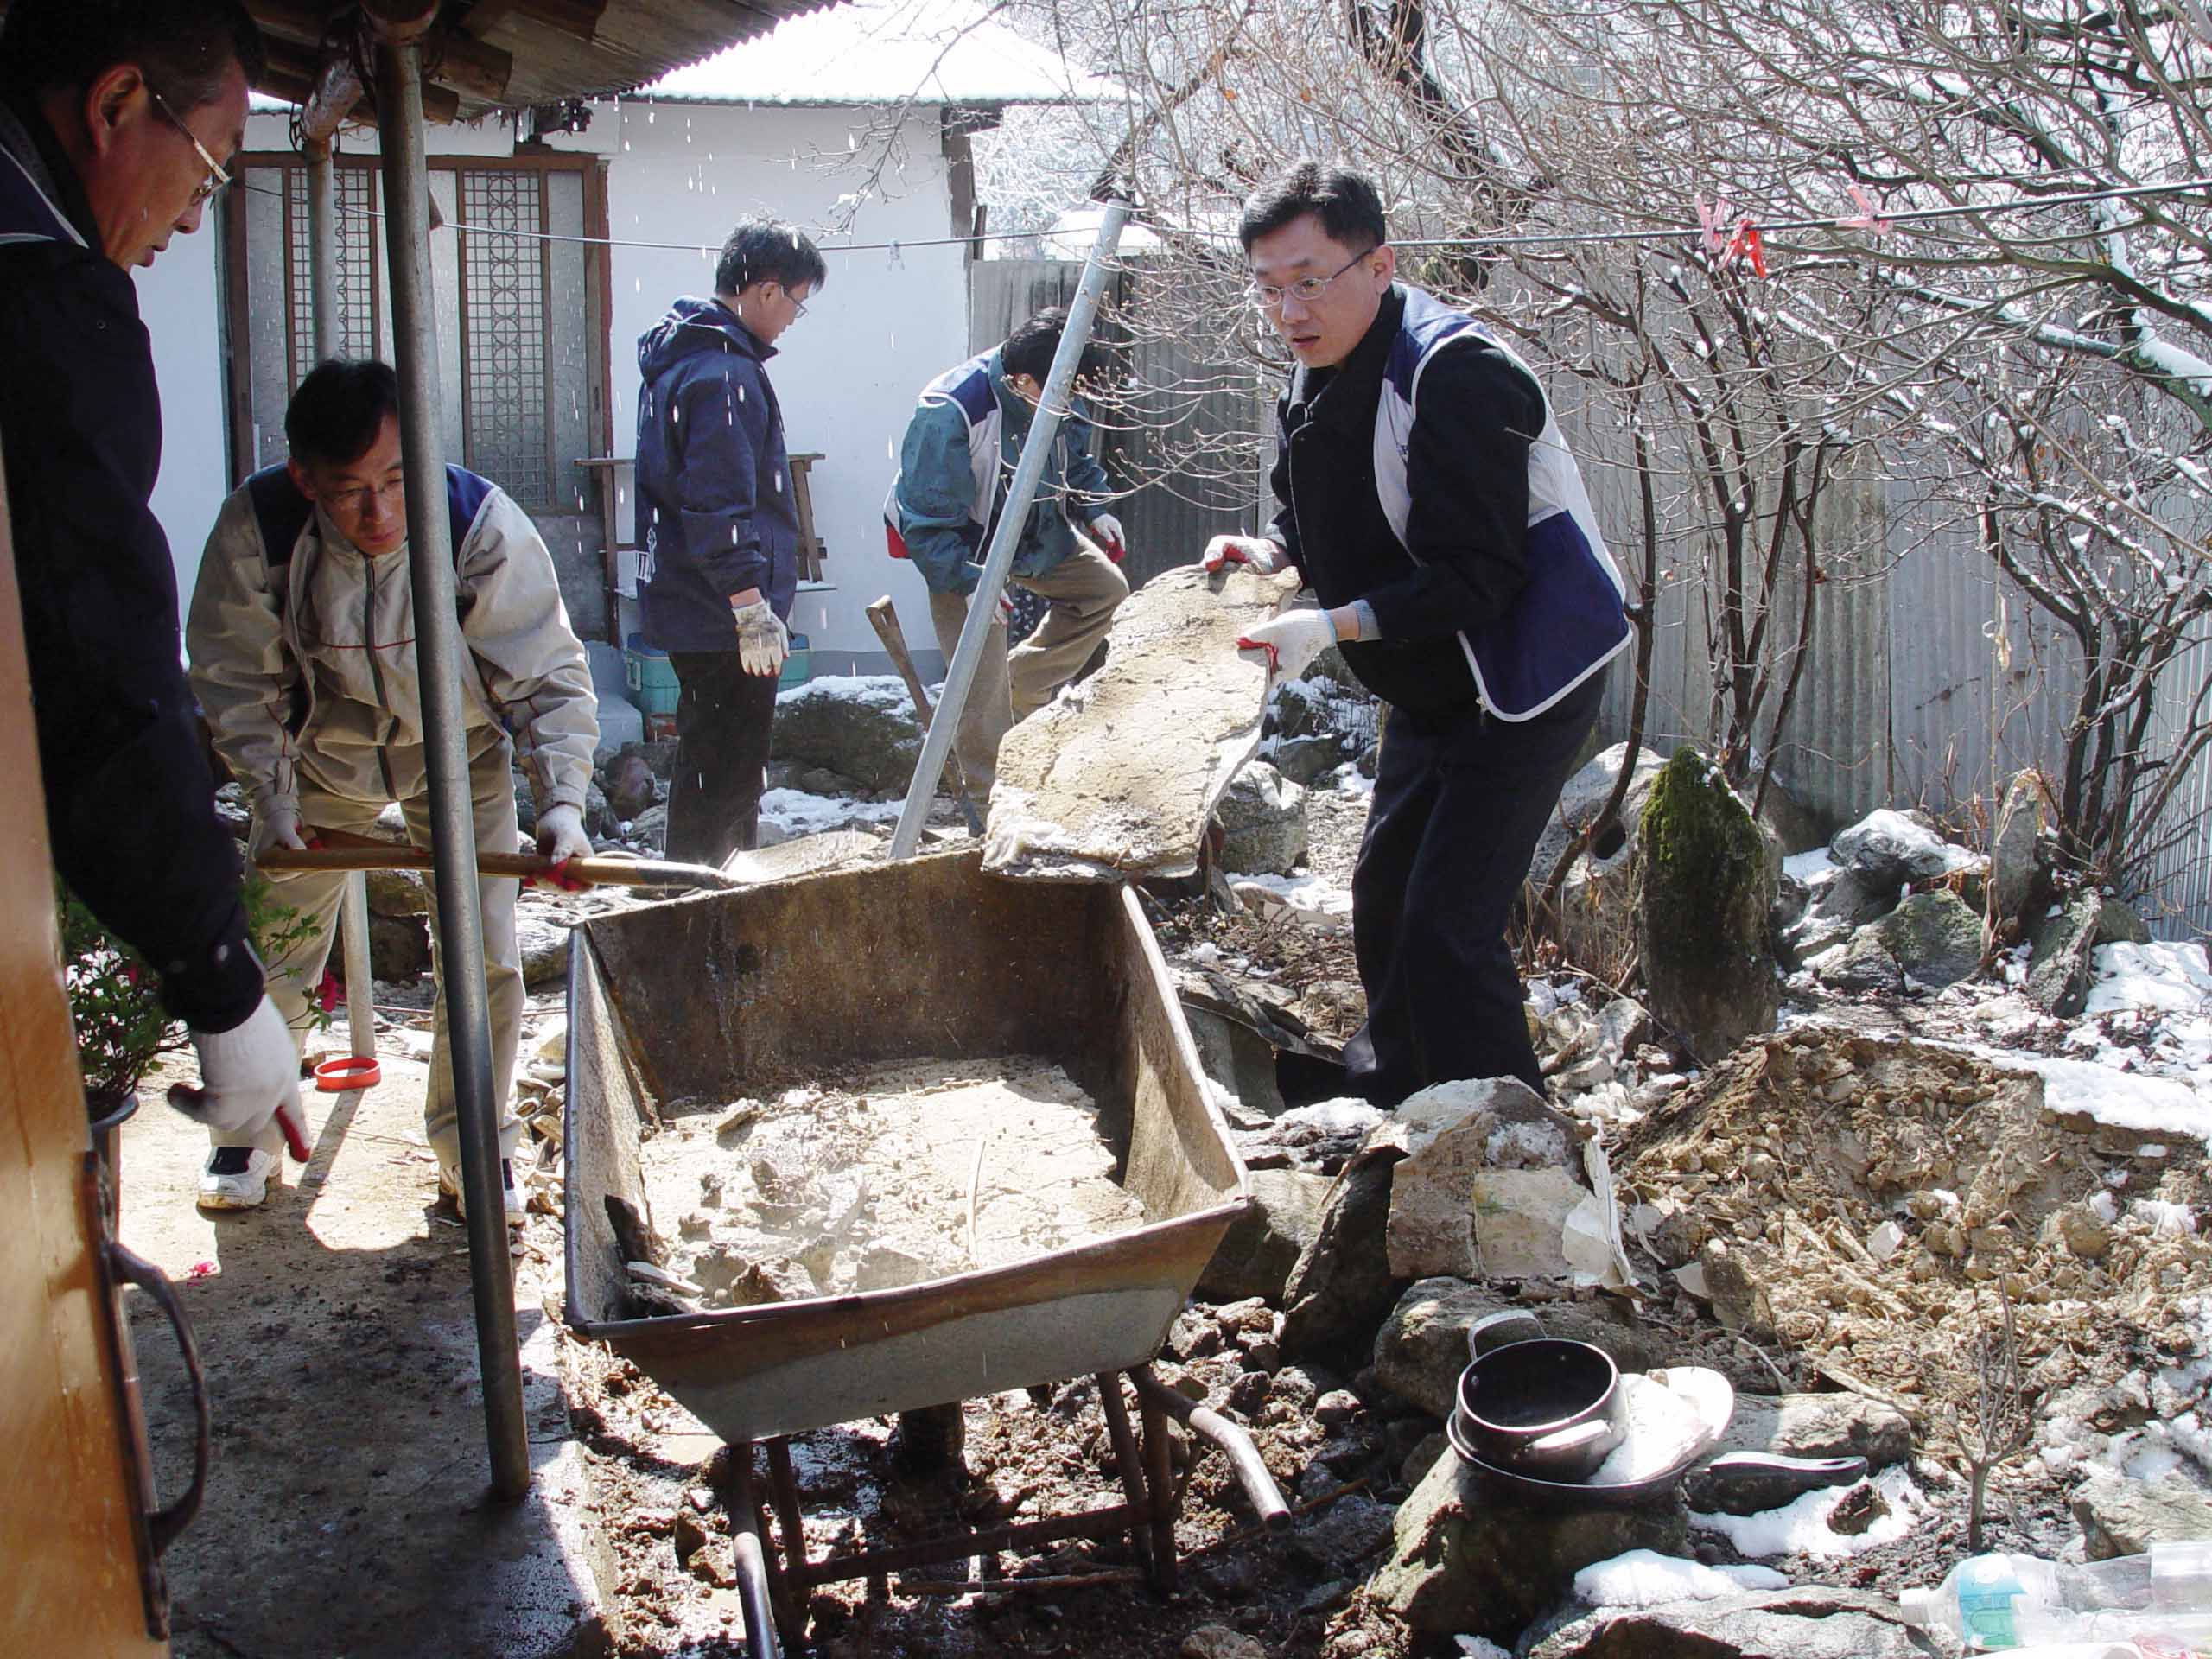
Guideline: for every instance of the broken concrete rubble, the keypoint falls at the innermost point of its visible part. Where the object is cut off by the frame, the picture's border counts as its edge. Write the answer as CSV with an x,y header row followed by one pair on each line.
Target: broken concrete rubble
x,y
2121,1516
1342,1290
1120,772
1262,815
1491,1176
1263,1245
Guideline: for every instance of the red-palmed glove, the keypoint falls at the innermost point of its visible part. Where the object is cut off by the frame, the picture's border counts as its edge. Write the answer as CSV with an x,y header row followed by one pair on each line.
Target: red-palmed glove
x,y
1292,641
1262,554
1106,530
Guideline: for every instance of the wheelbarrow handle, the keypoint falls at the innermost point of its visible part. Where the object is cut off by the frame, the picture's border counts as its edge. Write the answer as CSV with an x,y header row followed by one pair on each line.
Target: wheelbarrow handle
x,y
341,851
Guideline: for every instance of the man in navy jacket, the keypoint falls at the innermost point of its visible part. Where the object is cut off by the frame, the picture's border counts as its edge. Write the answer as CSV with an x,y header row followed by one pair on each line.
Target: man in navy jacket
x,y
720,528
1427,497
116,120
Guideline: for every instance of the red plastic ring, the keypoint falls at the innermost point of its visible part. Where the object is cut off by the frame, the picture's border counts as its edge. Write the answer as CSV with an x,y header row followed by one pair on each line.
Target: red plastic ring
x,y
354,1072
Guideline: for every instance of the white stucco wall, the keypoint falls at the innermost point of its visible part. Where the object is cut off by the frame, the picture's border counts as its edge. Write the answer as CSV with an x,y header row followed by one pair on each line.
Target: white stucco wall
x,y
847,374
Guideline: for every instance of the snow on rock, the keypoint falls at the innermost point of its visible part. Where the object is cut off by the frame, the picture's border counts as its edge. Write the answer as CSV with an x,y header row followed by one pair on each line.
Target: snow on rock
x,y
1644,1578
2171,978
2124,1100
1803,867
886,691
1481,1647
797,813
1801,1527
1306,900
1892,846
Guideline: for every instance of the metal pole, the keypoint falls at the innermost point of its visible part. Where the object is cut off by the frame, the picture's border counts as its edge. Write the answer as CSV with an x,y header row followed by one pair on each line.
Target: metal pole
x,y
453,820
322,266
983,604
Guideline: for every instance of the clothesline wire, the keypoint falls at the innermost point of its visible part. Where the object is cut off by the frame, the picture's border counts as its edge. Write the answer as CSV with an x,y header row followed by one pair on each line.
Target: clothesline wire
x,y
1877,222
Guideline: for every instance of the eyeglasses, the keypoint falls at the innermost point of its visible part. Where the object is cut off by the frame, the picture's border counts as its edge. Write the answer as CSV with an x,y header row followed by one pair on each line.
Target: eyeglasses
x,y
1307,290
216,178
799,306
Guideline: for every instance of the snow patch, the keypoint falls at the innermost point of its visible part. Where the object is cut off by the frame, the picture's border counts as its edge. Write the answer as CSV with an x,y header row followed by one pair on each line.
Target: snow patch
x,y
797,813
1644,1578
1801,1527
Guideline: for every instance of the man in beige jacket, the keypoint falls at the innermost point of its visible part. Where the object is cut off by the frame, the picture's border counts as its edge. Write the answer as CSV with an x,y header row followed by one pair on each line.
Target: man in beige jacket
x,y
302,641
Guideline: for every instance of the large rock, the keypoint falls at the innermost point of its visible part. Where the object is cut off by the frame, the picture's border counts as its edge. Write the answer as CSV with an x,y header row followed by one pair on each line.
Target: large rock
x,y
545,944
399,892
1262,1247
1585,793
2017,880
1818,1425
862,727
2063,964
2120,1516
628,782
1811,1623
1341,1290
1891,848
1262,817
1861,963
1934,937
1308,759
399,948
1490,1175
1465,1560
1422,1347
1708,881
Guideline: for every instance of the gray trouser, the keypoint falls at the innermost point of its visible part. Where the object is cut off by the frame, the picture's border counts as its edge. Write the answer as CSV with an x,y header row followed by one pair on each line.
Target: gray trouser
x,y
1082,591
295,975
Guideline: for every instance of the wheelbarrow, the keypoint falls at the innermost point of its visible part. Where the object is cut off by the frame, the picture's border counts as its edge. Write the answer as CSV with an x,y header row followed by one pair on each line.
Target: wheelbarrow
x,y
725,994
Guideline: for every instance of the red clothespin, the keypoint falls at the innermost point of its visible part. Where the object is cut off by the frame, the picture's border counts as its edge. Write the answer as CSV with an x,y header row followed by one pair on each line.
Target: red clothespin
x,y
1869,217
1746,241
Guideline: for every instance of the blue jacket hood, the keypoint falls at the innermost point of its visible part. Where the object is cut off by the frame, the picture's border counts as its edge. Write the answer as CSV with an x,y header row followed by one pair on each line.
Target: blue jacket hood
x,y
693,325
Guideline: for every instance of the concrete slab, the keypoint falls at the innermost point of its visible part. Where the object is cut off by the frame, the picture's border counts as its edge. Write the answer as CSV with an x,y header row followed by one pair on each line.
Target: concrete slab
x,y
1118,775
348,1510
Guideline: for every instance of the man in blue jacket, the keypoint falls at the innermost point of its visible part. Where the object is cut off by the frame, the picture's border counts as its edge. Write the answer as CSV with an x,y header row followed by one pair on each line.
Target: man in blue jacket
x,y
117,117
1426,494
961,447
720,562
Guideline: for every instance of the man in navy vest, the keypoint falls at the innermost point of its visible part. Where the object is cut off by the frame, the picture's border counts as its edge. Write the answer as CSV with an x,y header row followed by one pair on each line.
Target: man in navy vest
x,y
1427,496
117,120
302,640
719,523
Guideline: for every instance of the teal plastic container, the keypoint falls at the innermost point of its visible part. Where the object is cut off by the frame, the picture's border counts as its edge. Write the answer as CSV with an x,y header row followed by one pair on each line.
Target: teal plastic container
x,y
799,664
650,677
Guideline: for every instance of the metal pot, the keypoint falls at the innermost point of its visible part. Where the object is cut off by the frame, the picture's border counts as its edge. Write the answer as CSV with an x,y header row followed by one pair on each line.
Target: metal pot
x,y
1535,1405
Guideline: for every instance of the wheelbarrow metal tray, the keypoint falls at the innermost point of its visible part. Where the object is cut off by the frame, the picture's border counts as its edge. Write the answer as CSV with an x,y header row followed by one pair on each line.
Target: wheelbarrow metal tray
x,y
736,993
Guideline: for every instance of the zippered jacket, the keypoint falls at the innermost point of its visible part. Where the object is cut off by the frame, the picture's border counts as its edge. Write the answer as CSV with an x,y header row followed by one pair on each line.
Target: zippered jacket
x,y
130,799
715,505
304,654
1427,476
961,449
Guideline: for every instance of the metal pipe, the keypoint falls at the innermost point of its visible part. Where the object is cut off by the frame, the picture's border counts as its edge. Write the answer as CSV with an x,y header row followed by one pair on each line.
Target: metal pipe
x,y
983,604
322,270
452,819
1244,1457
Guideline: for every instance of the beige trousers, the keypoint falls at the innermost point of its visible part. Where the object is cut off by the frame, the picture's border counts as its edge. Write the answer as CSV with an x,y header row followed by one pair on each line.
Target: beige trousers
x,y
294,976
1082,594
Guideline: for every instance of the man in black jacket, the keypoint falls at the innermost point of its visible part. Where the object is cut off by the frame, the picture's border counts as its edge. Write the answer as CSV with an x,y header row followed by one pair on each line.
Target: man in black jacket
x,y
720,525
1427,497
116,116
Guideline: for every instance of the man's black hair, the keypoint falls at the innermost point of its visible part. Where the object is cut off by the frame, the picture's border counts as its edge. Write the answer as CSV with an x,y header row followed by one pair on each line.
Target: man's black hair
x,y
1345,201
1031,347
184,47
762,250
339,409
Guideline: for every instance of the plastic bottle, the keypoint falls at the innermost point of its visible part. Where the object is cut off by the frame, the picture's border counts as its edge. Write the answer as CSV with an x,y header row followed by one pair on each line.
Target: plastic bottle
x,y
1997,1602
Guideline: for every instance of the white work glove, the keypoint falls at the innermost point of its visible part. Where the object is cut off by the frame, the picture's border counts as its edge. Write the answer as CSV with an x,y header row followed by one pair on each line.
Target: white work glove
x,y
1292,641
1106,530
561,837
276,824
247,1074
1262,554
763,641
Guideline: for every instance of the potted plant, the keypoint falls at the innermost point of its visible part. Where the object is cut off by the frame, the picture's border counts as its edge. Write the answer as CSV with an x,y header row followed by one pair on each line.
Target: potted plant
x,y
115,1005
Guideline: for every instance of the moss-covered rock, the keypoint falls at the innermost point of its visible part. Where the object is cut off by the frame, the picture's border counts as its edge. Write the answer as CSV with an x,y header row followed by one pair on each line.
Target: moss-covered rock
x,y
1708,881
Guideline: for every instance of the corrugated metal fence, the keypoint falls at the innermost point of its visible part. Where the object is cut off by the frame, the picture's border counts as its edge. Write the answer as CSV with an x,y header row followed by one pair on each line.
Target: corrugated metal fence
x,y
1930,682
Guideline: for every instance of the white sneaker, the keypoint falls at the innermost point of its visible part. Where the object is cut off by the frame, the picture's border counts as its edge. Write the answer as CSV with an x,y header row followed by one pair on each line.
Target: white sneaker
x,y
236,1178
517,1206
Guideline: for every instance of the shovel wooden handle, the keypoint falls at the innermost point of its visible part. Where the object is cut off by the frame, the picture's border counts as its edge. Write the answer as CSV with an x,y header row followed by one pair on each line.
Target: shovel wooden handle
x,y
341,851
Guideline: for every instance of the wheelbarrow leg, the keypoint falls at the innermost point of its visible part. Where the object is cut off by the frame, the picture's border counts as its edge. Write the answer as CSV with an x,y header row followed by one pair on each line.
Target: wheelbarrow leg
x,y
755,1593
1160,1475
1244,1457
793,1581
1130,1464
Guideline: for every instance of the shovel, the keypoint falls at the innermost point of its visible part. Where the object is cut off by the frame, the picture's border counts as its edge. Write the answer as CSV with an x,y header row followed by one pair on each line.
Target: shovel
x,y
341,851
